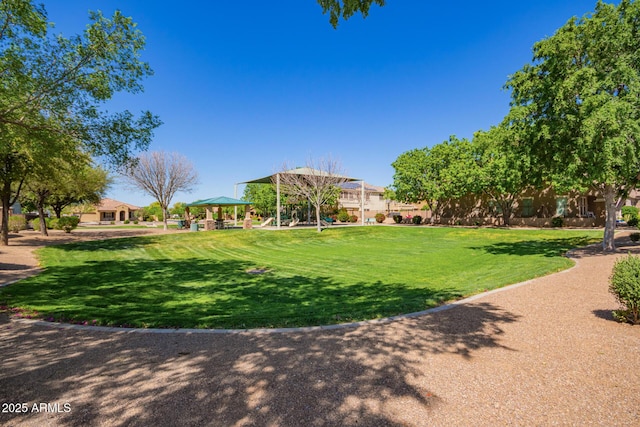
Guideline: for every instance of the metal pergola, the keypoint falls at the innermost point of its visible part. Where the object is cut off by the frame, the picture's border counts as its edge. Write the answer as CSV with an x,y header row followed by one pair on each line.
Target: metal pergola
x,y
301,171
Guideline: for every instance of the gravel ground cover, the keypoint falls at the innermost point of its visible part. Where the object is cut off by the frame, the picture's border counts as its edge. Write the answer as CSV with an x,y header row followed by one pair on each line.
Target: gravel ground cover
x,y
544,353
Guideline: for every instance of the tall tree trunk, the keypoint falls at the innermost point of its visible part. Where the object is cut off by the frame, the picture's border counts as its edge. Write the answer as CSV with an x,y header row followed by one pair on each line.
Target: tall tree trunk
x,y
43,223
4,228
608,242
318,218
164,218
5,196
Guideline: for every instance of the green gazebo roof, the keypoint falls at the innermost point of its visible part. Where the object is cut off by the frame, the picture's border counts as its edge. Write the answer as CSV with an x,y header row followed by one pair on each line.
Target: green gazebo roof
x,y
219,201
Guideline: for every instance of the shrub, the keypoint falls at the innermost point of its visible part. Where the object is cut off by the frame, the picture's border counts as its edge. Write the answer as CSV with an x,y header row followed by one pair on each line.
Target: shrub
x,y
557,221
397,219
634,237
625,285
632,222
343,215
379,218
126,221
629,212
51,223
17,223
353,218
67,223
135,221
417,219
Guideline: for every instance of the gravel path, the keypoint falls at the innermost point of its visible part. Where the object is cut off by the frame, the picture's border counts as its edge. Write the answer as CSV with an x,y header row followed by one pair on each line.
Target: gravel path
x,y
545,353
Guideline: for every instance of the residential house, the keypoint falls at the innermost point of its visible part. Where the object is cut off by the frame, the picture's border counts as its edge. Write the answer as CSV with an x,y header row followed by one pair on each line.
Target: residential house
x,y
109,210
534,208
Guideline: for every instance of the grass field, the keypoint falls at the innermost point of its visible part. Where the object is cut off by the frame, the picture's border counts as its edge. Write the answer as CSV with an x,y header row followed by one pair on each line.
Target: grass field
x,y
259,278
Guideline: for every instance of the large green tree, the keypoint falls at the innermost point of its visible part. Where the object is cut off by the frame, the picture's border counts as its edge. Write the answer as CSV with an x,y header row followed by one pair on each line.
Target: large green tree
x,y
501,173
579,103
54,89
435,175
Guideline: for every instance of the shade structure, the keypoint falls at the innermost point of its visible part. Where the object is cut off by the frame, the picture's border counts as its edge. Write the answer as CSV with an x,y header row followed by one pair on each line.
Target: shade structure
x,y
297,171
275,178
219,201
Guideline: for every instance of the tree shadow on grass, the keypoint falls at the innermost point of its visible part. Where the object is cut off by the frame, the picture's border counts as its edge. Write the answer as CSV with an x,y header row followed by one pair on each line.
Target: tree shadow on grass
x,y
356,376
548,247
210,294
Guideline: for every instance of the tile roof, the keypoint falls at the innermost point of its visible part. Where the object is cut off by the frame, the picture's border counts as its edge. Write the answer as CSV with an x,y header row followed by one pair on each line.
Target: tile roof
x,y
107,205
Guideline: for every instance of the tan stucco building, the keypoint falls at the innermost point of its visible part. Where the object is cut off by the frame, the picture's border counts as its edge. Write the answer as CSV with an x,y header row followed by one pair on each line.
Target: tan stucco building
x,y
109,210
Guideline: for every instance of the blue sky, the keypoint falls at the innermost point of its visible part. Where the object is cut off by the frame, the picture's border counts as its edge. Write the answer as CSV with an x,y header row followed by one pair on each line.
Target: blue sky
x,y
243,87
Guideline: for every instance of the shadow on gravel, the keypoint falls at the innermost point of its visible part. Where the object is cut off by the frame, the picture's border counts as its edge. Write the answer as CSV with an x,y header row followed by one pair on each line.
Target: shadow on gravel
x,y
604,314
348,377
13,267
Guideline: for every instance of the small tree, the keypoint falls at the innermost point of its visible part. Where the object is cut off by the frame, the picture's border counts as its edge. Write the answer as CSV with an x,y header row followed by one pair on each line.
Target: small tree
x,y
262,197
161,175
318,182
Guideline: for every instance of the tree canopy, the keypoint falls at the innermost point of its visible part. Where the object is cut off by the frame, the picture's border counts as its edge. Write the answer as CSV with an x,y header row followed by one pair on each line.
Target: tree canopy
x,y
435,175
578,103
346,8
54,92
500,173
263,198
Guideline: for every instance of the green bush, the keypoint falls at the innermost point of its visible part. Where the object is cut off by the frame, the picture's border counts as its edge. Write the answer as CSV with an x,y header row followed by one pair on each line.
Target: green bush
x,y
629,212
343,215
417,219
632,222
379,218
557,221
397,219
135,221
353,218
67,223
634,237
52,223
17,223
625,285
126,221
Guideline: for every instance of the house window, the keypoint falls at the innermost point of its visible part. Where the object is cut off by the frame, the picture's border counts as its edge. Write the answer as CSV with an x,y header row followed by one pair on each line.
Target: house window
x,y
561,206
527,207
108,216
583,206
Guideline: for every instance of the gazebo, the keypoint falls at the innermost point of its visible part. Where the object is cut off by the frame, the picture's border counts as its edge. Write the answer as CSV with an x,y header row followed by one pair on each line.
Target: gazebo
x,y
219,202
302,171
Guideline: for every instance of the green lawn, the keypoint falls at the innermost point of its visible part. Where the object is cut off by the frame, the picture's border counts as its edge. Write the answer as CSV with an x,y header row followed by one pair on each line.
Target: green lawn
x,y
208,279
